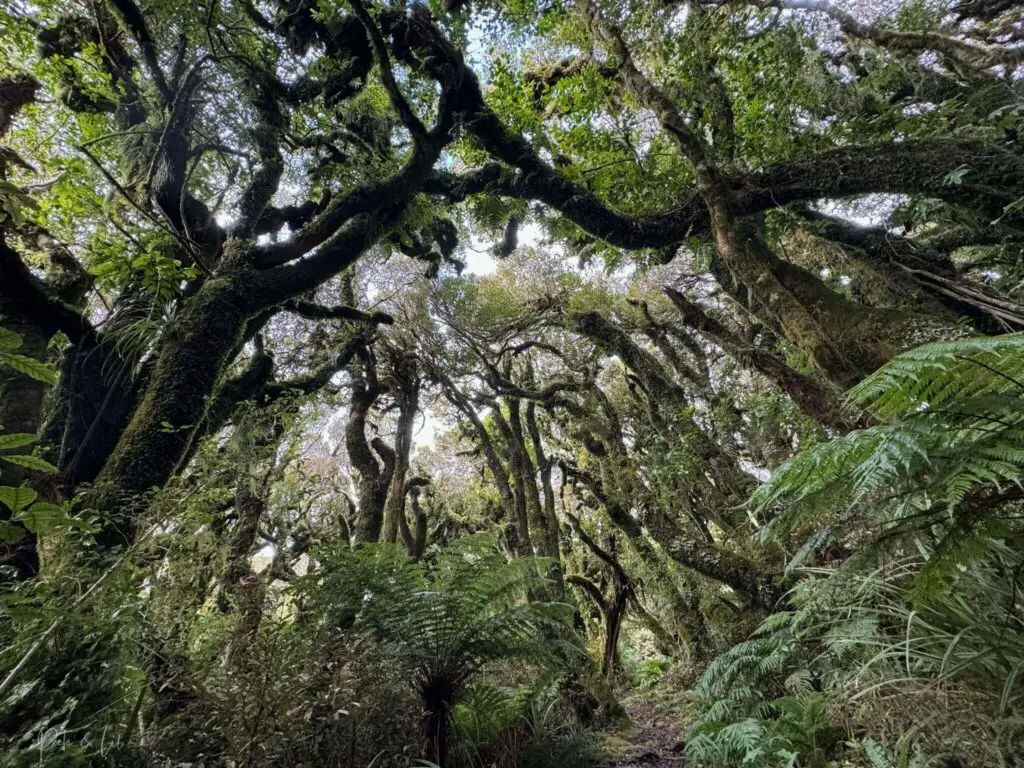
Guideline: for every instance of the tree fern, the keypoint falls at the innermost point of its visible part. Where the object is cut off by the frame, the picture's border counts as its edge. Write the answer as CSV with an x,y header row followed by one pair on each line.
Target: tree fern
x,y
853,638
445,620
719,743
945,372
950,450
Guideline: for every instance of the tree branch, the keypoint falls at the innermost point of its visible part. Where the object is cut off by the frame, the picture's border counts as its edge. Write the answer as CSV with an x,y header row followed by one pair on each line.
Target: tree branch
x,y
132,20
591,590
817,401
908,167
23,294
387,76
312,311
967,54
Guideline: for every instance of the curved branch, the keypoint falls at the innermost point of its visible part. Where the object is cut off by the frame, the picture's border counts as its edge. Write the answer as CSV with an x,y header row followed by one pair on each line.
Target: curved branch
x,y
132,20
965,53
313,311
908,167
387,76
393,193
591,590
23,294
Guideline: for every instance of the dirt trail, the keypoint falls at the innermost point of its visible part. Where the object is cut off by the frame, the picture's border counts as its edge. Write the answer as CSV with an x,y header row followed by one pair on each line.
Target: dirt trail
x,y
659,741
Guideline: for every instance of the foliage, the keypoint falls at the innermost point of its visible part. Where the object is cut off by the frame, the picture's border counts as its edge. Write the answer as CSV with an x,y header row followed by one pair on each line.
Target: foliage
x,y
24,509
949,450
397,381
446,621
933,624
29,366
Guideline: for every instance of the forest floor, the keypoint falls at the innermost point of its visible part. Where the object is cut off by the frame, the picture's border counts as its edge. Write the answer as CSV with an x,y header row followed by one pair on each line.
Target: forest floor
x,y
658,741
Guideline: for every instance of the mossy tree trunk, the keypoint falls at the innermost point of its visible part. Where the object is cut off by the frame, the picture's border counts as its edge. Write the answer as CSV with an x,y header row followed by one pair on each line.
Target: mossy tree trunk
x,y
515,525
547,516
193,359
406,392
372,460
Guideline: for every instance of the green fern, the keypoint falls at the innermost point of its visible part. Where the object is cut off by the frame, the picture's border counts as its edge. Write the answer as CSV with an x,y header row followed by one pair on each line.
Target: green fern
x,y
875,754
861,634
951,450
944,372
445,621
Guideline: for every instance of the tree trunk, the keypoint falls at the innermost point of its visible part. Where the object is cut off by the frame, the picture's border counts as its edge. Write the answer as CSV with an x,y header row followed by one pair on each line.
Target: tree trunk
x,y
27,309
499,472
520,469
846,341
406,393
198,347
548,518
540,523
98,391
612,629
438,698
419,538
372,486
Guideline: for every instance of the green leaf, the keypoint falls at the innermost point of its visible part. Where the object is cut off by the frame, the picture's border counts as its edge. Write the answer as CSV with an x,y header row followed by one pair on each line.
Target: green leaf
x,y
43,517
16,440
876,754
956,177
32,462
16,499
11,533
9,340
29,366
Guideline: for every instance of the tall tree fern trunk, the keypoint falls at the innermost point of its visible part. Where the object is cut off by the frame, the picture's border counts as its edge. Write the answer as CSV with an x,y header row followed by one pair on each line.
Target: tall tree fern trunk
x,y
437,696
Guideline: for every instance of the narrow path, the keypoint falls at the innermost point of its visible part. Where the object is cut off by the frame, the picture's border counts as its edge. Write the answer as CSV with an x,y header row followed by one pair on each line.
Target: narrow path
x,y
659,741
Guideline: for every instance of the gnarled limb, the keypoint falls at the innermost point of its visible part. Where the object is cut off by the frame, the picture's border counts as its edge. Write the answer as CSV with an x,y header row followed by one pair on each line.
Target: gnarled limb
x,y
971,57
817,400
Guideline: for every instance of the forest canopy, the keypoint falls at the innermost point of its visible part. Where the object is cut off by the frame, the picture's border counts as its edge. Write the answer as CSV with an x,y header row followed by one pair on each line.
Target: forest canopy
x,y
493,383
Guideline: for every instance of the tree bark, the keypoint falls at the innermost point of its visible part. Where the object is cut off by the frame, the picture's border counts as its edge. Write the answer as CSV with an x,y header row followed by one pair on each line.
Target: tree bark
x,y
195,353
372,482
521,476
419,537
405,391
246,587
